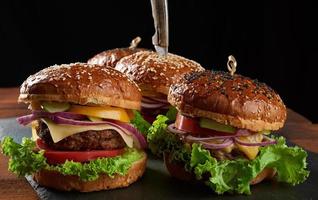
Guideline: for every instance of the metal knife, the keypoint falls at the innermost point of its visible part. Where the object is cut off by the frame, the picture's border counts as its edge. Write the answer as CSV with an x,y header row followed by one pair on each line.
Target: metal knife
x,y
160,16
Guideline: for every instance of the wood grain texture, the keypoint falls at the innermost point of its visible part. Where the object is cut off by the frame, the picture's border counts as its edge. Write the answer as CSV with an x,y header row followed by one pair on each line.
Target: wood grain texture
x,y
297,129
12,187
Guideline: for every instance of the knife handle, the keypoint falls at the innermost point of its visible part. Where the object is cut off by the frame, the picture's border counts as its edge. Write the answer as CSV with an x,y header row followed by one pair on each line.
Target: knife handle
x,y
160,16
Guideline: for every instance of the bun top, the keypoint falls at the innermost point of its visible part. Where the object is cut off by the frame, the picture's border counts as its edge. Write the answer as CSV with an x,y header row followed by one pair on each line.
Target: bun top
x,y
81,83
235,100
153,73
111,57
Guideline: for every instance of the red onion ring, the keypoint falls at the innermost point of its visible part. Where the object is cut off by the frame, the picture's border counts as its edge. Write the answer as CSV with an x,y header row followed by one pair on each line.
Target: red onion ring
x,y
173,129
62,120
152,105
192,138
138,135
125,127
59,118
36,114
243,132
26,119
147,100
150,102
228,139
226,143
154,99
265,143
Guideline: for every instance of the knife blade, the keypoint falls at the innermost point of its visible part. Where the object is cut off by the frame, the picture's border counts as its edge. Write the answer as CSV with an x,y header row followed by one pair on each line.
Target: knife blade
x,y
160,39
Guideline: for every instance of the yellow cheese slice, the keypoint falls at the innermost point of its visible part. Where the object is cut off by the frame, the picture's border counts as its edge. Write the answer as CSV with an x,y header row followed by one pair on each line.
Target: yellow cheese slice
x,y
34,135
61,131
106,112
34,125
250,151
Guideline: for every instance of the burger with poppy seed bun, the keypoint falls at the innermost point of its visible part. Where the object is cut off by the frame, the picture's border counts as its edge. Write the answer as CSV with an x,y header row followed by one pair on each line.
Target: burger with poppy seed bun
x,y
154,74
109,58
83,135
222,133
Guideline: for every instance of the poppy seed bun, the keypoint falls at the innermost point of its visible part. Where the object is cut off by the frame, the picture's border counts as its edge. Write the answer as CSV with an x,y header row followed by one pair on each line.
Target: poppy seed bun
x,y
153,73
81,83
110,57
234,100
56,180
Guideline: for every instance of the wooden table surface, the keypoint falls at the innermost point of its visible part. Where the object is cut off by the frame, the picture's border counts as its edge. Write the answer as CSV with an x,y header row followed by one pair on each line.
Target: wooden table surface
x,y
298,130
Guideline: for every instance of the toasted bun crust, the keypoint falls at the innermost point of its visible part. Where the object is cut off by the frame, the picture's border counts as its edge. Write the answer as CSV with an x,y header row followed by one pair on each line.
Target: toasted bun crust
x,y
267,173
235,100
153,73
177,170
53,179
110,57
81,83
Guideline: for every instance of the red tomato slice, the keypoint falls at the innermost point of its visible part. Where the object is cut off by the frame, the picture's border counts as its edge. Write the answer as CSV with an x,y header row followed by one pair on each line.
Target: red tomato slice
x,y
191,126
59,157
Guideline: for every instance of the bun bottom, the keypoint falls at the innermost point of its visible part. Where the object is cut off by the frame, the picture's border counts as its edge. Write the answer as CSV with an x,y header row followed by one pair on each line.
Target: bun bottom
x,y
56,180
177,170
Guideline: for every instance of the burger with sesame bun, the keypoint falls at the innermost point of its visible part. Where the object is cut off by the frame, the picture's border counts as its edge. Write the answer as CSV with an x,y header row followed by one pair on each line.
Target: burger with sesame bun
x,y
154,74
110,57
84,122
221,135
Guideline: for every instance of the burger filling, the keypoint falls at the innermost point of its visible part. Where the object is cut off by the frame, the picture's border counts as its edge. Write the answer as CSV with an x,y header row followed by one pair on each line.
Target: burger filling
x,y
223,141
65,127
227,159
85,141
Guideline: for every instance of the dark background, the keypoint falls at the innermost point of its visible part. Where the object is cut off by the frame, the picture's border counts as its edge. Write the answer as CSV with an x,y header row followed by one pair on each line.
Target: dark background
x,y
275,42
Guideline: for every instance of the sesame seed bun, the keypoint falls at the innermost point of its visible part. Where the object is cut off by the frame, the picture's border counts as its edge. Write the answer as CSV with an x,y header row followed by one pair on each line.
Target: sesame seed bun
x,y
81,83
235,100
110,57
153,73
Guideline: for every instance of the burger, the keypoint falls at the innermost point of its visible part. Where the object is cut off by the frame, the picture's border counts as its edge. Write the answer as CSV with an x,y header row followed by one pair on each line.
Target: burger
x,y
110,57
83,138
154,74
221,135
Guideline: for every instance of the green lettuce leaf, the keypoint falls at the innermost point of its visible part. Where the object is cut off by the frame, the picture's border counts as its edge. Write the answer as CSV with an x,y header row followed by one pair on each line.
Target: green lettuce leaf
x,y
156,136
172,113
91,171
290,162
225,176
24,161
161,142
233,176
140,123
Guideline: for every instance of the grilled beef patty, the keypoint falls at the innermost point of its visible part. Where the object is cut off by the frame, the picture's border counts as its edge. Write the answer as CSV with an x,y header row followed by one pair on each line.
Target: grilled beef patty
x,y
88,140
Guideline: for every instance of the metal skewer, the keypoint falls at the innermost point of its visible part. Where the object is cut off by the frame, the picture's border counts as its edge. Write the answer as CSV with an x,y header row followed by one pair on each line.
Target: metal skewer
x,y
160,16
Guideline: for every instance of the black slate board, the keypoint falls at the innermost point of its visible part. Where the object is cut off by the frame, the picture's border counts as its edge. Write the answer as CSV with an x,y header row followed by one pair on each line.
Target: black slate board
x,y
157,184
